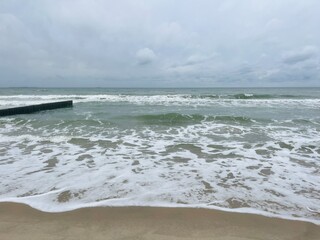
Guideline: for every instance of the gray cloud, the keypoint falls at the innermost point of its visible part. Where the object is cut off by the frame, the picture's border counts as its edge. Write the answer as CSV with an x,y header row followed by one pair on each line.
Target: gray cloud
x,y
141,43
145,56
306,53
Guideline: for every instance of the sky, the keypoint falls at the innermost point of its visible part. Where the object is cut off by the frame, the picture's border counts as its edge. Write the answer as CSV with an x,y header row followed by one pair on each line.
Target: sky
x,y
159,43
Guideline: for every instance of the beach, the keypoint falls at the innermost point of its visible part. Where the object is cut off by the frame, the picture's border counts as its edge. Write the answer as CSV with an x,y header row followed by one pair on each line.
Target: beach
x,y
18,221
187,154
160,120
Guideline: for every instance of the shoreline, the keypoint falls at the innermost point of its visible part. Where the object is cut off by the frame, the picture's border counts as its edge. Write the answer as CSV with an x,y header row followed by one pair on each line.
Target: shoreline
x,y
20,221
249,211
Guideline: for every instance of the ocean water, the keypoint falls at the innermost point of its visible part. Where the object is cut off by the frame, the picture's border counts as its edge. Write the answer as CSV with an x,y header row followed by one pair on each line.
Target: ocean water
x,y
243,150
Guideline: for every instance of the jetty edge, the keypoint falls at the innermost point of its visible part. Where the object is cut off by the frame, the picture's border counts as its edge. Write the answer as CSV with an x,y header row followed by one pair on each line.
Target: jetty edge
x,y
35,108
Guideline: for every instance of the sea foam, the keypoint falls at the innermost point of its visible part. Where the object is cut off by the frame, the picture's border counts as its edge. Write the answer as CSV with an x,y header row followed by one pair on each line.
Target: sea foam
x,y
242,153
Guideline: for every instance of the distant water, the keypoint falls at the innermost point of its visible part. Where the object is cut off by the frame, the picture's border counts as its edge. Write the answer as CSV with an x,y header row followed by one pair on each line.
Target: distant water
x,y
247,150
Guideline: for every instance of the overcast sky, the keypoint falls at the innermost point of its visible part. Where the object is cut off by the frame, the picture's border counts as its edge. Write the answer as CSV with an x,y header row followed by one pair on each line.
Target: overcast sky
x,y
159,43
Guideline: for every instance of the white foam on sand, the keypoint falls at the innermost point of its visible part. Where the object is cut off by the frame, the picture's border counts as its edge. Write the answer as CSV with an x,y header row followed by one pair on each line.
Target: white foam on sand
x,y
208,164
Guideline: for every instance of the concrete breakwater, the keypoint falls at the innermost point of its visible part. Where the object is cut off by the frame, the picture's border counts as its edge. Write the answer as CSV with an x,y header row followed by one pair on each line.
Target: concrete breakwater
x,y
35,108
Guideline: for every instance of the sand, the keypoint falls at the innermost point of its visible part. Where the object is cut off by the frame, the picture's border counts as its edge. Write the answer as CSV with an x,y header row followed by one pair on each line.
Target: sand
x,y
19,221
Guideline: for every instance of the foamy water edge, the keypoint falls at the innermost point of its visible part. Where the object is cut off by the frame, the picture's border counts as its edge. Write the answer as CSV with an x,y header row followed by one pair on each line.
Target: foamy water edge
x,y
193,206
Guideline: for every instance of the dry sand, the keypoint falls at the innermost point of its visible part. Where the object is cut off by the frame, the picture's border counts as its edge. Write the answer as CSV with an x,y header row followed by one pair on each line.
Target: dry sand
x,y
18,221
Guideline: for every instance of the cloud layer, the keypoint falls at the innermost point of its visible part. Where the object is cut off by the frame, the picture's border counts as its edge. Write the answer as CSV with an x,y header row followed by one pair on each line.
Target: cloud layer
x,y
142,43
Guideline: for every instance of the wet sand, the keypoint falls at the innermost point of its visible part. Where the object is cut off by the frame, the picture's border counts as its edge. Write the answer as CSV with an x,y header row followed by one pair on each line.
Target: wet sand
x,y
18,221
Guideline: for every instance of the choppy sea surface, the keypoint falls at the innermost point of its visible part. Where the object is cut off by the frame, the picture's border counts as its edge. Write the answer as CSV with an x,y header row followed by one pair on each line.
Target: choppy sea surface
x,y
244,150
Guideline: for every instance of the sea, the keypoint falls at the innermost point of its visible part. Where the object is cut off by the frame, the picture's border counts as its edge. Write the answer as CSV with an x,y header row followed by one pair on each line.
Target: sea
x,y
252,150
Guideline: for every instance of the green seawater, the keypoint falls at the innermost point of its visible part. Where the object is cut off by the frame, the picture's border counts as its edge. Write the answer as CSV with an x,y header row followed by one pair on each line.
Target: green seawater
x,y
243,148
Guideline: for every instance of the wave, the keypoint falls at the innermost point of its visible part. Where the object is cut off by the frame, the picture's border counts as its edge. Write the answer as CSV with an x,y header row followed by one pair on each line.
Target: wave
x,y
238,100
177,119
194,164
257,96
247,96
183,96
